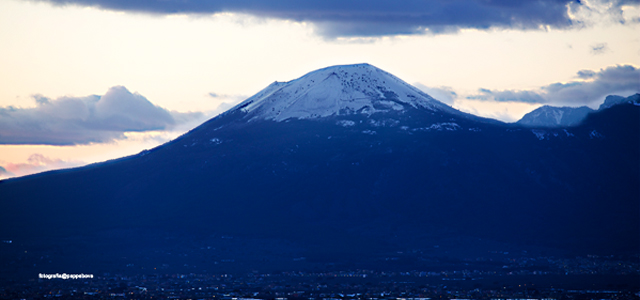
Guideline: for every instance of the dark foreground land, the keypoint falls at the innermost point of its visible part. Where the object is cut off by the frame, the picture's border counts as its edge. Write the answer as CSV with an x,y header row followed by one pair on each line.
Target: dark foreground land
x,y
225,267
360,284
197,271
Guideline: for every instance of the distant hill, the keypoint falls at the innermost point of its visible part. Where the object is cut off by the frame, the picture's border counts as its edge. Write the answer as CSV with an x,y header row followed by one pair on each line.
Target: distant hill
x,y
550,116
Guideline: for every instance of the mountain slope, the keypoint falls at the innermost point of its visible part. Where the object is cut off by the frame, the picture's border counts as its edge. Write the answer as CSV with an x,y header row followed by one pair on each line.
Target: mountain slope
x,y
339,181
551,116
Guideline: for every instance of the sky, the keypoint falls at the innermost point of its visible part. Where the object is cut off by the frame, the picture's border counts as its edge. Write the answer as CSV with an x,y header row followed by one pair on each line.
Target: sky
x,y
86,81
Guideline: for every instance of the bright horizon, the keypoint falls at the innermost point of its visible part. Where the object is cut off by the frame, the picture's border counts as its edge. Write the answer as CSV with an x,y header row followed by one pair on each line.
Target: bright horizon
x,y
165,73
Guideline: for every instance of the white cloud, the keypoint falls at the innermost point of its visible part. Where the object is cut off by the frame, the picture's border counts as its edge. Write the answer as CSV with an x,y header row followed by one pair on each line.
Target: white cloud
x,y
90,119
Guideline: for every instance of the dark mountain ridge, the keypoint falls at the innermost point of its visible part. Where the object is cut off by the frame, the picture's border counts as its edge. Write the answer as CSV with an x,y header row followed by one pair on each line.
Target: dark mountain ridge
x,y
551,116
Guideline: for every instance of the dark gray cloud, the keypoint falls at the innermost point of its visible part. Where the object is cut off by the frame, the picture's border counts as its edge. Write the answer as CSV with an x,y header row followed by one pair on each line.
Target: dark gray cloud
x,y
83,120
616,80
40,100
373,17
586,74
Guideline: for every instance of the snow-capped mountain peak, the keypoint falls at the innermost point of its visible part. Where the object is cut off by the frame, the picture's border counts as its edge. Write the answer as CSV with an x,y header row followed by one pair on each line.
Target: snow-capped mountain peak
x,y
337,90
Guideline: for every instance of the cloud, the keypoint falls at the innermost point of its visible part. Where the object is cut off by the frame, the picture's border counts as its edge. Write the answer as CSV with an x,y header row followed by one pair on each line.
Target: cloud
x,y
84,120
36,163
227,98
590,12
41,100
4,173
616,80
509,96
335,18
502,115
443,94
586,74
599,48
226,102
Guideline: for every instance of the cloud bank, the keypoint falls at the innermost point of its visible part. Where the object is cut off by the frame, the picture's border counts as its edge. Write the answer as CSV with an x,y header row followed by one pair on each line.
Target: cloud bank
x,y
336,18
36,163
591,90
84,120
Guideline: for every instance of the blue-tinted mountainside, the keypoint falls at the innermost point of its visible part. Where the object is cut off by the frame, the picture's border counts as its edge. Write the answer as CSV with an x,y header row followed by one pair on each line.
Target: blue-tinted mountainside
x,y
550,116
342,176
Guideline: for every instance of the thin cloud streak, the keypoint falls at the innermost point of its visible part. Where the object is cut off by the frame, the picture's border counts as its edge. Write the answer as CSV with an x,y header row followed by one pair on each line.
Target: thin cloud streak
x,y
599,48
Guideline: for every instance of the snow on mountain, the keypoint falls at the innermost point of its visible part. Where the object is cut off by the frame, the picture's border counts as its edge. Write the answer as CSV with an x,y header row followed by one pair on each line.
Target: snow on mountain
x,y
338,90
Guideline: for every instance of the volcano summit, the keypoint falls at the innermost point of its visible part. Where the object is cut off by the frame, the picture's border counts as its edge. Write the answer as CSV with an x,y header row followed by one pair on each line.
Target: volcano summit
x,y
338,90
342,166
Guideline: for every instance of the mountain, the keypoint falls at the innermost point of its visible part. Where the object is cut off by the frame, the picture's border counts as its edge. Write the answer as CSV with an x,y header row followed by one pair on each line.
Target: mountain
x,y
348,167
551,116
612,100
336,91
